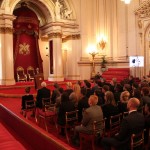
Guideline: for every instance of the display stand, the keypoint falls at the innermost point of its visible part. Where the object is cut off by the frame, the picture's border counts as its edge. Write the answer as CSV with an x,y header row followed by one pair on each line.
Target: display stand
x,y
38,79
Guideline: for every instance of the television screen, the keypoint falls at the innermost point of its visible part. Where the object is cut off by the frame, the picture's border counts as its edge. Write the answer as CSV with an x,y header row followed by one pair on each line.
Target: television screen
x,y
136,61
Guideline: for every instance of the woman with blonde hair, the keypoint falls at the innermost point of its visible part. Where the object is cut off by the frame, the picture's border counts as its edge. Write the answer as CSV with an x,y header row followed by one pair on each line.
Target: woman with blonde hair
x,y
76,94
69,89
122,104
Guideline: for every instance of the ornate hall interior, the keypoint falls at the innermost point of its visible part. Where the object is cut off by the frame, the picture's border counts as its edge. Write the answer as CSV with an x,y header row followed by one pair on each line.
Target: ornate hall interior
x,y
67,39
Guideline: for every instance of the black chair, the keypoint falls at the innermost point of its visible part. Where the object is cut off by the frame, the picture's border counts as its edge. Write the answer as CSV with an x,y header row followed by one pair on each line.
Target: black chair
x,y
30,106
47,112
114,125
137,141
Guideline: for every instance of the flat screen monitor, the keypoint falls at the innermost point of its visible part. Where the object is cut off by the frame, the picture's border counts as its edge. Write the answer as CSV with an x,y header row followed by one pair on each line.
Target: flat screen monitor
x,y
136,61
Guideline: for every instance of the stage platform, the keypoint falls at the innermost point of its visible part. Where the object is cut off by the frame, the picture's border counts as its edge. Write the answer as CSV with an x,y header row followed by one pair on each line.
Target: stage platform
x,y
18,90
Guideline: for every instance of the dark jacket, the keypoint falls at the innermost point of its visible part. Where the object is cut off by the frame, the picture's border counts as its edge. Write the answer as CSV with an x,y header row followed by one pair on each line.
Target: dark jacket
x,y
42,93
109,110
64,107
132,124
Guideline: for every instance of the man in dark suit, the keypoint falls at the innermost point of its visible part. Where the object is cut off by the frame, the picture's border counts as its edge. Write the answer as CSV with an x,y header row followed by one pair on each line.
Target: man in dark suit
x,y
133,123
42,93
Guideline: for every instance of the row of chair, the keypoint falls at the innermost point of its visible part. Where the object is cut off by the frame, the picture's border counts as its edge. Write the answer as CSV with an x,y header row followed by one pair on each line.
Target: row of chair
x,y
21,76
72,120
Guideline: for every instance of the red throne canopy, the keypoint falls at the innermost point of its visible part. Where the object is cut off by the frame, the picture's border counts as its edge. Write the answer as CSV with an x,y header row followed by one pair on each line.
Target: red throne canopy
x,y
25,39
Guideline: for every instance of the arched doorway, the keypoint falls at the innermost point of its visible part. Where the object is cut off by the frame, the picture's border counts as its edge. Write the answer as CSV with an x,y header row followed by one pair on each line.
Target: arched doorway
x,y
25,40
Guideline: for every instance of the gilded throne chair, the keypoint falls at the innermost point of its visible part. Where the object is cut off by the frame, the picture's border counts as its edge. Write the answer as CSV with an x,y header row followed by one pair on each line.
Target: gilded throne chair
x,y
30,73
21,76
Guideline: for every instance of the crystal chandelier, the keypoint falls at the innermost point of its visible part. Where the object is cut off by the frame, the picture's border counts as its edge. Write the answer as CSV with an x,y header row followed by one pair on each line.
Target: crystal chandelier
x,y
126,1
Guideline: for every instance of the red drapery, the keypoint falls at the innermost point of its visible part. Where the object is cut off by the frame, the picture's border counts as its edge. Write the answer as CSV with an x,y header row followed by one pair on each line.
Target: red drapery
x,y
26,47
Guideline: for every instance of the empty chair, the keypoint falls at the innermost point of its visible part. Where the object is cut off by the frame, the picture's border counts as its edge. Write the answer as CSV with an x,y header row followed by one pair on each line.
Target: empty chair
x,y
98,131
46,112
30,73
21,76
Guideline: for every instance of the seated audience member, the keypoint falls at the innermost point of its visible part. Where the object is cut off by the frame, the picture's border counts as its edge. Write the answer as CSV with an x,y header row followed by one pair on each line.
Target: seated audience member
x,y
145,95
69,89
58,100
147,123
137,94
87,85
91,114
98,93
132,124
131,80
117,92
127,87
95,86
44,92
65,106
105,88
113,84
109,108
76,94
82,104
26,97
55,93
124,98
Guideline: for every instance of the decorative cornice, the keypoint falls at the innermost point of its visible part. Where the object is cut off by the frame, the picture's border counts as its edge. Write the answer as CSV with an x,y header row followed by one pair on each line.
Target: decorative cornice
x,y
144,10
71,37
55,35
46,39
6,30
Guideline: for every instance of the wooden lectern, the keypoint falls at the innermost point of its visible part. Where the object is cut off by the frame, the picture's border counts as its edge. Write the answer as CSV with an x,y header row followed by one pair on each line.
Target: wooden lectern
x,y
38,79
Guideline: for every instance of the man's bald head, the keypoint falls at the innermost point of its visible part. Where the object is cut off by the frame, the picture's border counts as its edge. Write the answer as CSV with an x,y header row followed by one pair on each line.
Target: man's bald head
x,y
133,104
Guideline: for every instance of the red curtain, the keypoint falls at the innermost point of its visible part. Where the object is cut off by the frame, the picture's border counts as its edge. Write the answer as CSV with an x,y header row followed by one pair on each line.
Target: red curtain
x,y
25,40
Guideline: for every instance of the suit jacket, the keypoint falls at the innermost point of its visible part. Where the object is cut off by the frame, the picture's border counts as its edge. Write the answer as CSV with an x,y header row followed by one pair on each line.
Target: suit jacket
x,y
133,123
42,93
91,114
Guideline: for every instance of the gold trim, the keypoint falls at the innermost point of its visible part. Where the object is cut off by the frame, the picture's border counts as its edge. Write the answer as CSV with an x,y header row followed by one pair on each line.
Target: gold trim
x,y
55,35
46,39
27,20
71,37
5,30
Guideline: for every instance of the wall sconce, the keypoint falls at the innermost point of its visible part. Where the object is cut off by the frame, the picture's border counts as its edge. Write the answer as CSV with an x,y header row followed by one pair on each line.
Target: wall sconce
x,y
126,1
47,52
102,44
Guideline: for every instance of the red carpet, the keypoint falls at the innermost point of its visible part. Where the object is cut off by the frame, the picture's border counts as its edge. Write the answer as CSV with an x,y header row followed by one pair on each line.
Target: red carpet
x,y
11,99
